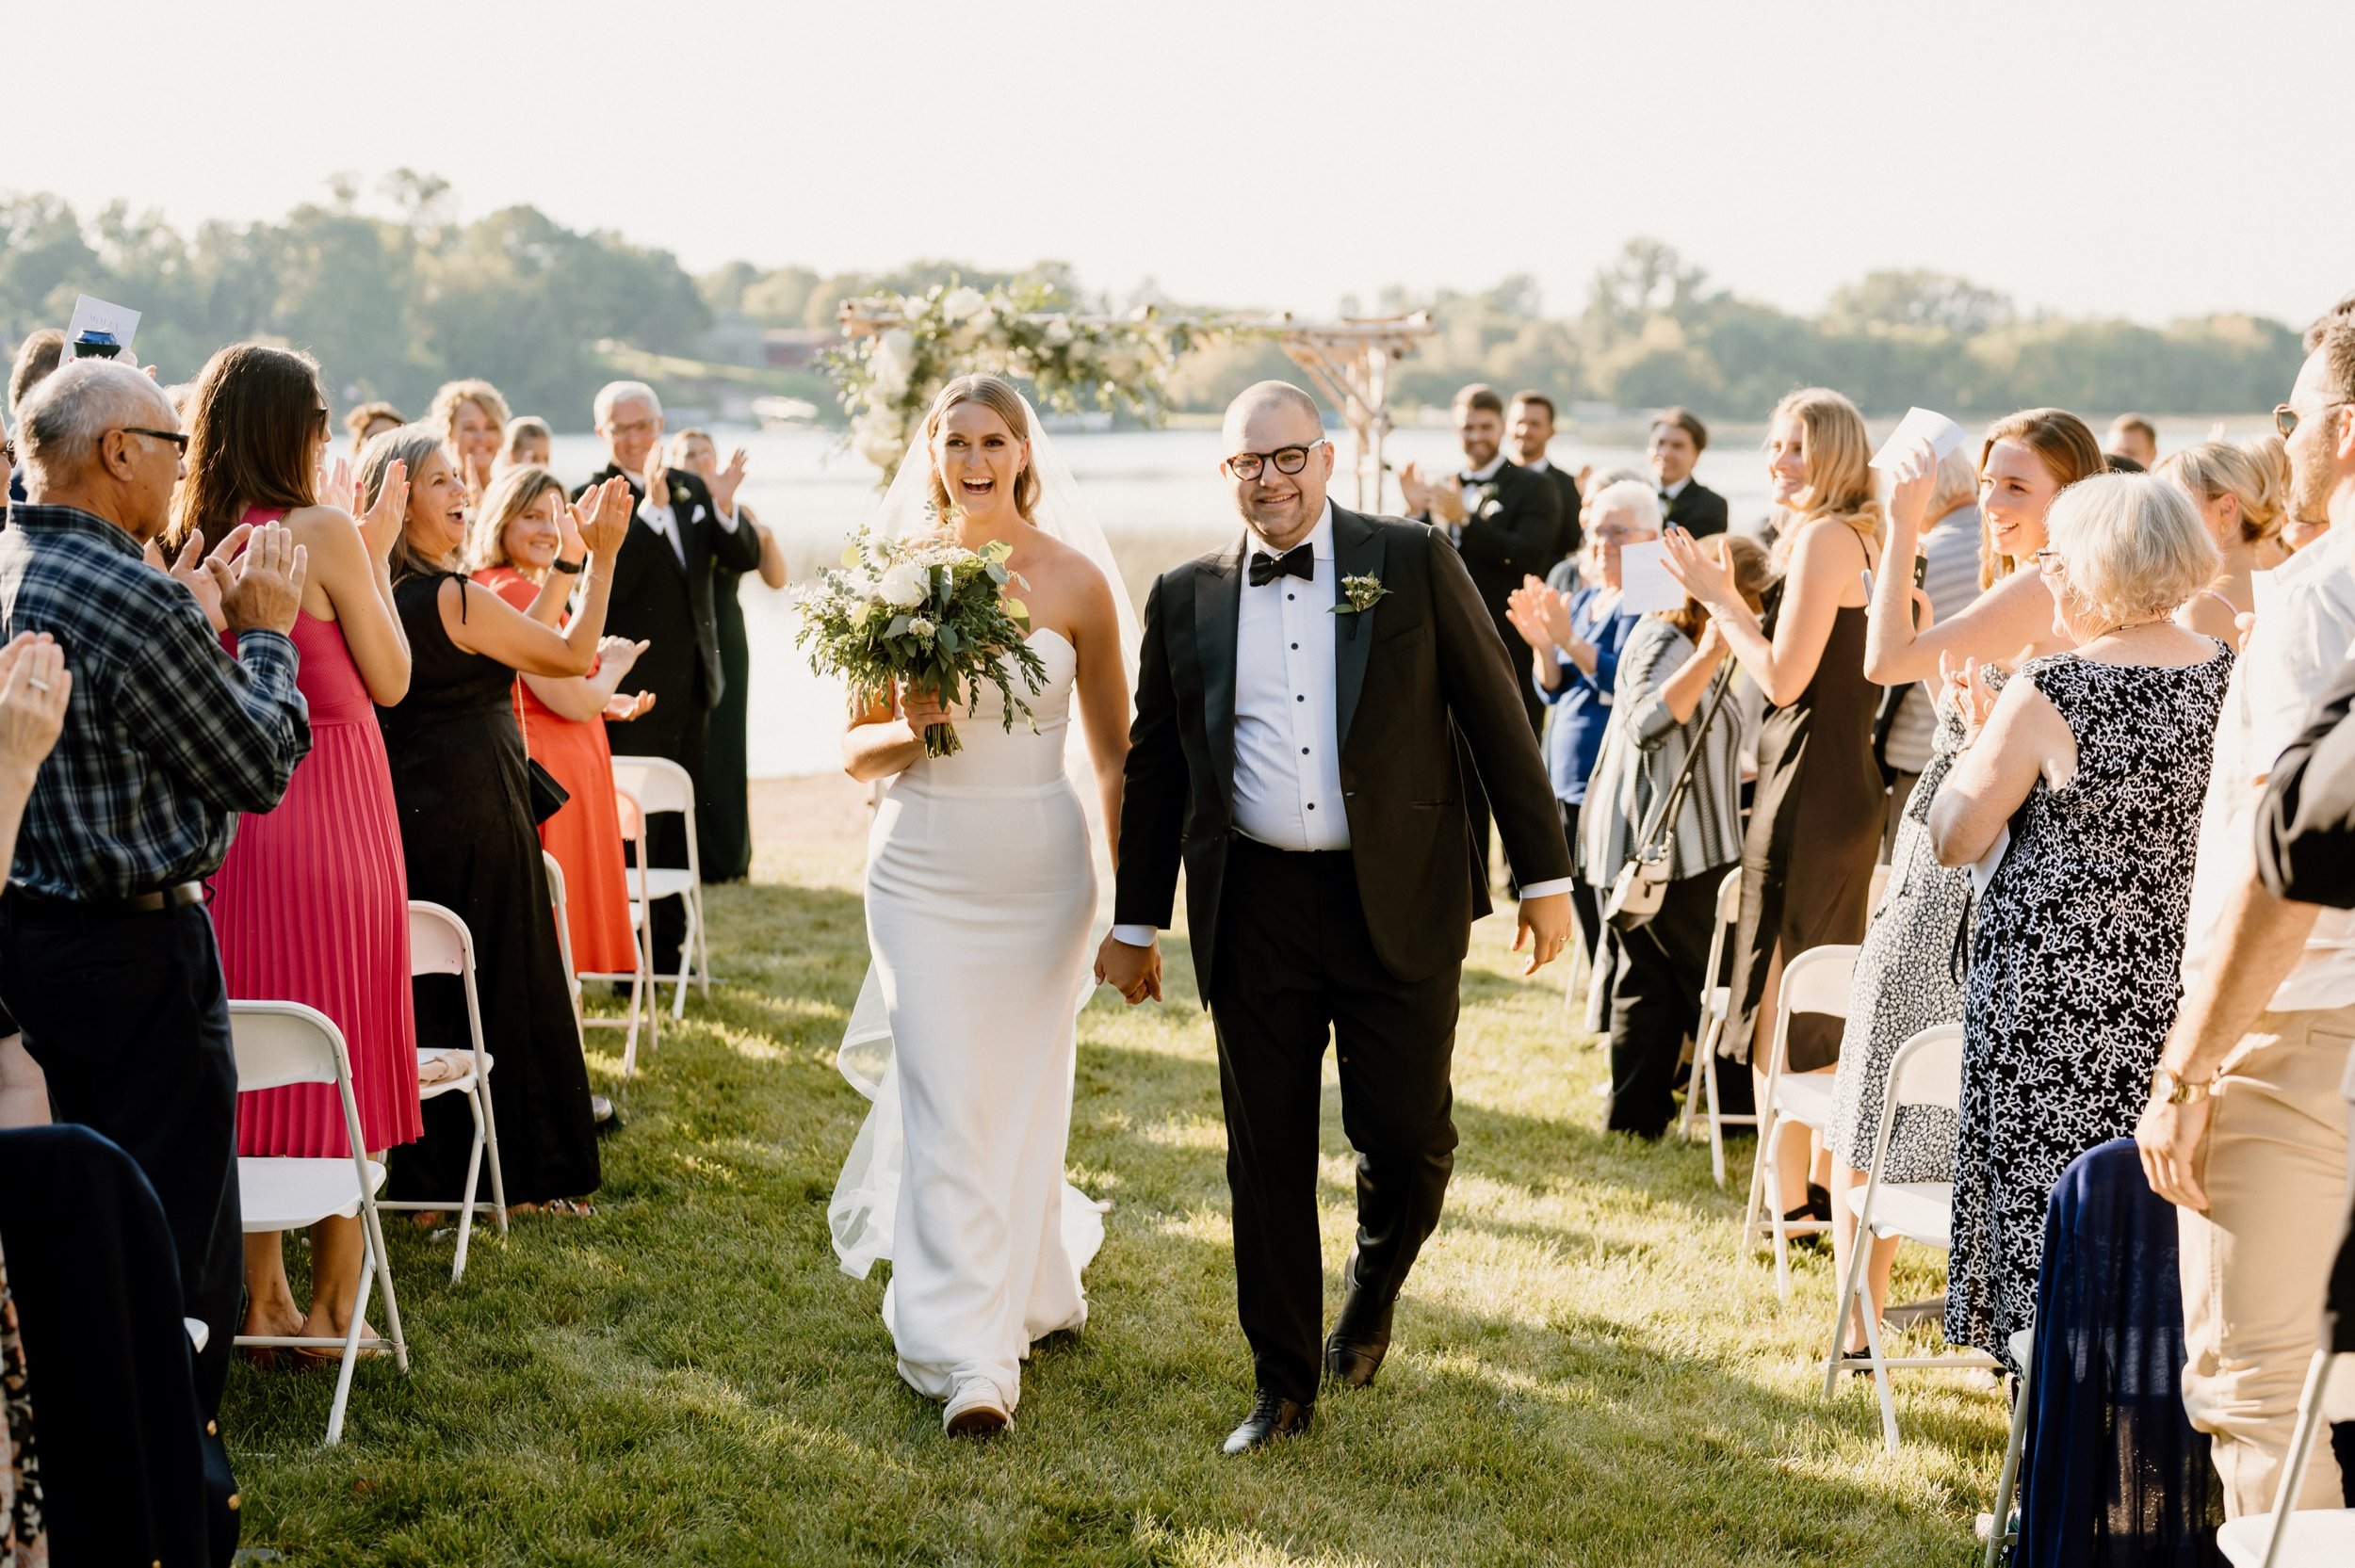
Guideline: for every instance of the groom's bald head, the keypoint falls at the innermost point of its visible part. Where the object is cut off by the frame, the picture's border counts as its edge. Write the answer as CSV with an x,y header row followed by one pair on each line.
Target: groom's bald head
x,y
1264,419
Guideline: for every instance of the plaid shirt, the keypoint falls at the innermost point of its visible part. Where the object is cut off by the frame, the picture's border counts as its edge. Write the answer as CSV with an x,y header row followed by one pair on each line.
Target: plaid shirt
x,y
166,737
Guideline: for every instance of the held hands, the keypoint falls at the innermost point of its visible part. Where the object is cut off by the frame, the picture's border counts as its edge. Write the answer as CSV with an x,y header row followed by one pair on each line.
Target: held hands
x,y
1915,477
724,483
35,686
262,591
1134,972
1545,925
601,520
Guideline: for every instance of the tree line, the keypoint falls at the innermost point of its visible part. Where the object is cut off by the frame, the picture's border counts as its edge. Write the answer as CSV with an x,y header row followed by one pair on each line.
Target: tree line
x,y
394,302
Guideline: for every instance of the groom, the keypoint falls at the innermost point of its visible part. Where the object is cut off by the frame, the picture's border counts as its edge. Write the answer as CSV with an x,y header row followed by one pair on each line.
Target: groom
x,y
1298,697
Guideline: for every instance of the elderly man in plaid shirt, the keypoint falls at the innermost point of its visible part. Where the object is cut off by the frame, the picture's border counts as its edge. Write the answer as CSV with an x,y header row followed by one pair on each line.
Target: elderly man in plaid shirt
x,y
106,954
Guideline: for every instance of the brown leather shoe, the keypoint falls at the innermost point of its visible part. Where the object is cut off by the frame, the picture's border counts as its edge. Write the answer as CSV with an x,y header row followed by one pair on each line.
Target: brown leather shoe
x,y
1271,1417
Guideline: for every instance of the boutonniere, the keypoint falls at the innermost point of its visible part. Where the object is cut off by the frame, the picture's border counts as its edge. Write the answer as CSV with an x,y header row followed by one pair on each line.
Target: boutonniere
x,y
1359,594
680,495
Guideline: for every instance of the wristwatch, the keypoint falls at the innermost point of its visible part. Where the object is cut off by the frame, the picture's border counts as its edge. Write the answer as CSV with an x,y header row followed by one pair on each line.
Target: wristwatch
x,y
2168,1089
571,568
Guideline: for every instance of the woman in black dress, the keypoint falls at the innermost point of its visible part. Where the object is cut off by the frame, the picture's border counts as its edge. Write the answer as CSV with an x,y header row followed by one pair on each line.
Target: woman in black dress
x,y
724,822
1816,816
466,826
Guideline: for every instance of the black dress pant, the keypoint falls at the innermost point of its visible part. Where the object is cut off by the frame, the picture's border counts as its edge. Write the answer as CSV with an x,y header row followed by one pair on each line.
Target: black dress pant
x,y
678,731
128,1017
1295,965
129,1472
1655,1002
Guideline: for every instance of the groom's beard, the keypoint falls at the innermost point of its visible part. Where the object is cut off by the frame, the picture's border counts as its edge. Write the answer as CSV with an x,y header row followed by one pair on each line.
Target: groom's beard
x,y
1280,526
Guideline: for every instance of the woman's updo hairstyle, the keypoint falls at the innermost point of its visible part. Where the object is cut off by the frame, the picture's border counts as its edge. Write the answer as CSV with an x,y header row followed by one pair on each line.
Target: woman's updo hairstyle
x,y
2214,468
996,394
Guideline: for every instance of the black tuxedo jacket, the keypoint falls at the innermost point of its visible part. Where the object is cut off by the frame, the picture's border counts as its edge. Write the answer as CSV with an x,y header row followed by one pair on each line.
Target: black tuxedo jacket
x,y
1571,535
1511,527
668,604
1419,669
1698,510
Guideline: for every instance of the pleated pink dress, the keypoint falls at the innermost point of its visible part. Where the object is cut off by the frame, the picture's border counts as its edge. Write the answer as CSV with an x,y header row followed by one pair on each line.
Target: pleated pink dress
x,y
312,906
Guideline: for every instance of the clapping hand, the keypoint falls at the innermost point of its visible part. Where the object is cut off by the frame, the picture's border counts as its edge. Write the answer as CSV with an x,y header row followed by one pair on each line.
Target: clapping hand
x,y
263,590
1706,577
571,519
603,517
35,686
724,483
616,655
190,571
1447,500
1414,489
381,524
1966,684
1540,615
657,477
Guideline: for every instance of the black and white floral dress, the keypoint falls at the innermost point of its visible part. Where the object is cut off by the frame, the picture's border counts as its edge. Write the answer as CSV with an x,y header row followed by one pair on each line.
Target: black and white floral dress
x,y
1907,980
2075,960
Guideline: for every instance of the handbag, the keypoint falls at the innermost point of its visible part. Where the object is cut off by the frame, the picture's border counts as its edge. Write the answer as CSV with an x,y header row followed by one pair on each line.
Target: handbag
x,y
1643,882
548,796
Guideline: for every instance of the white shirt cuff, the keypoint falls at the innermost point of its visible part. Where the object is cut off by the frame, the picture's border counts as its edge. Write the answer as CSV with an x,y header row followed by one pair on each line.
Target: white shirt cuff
x,y
1546,890
1139,936
729,521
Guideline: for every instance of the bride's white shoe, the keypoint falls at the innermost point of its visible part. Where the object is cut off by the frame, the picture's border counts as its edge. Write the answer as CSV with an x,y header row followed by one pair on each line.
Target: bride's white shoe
x,y
975,1410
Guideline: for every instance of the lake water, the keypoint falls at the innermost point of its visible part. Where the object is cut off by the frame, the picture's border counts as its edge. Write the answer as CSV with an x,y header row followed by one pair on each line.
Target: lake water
x,y
1158,495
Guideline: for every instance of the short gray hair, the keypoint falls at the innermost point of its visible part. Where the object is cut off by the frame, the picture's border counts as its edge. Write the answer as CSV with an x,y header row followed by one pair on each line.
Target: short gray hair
x,y
65,415
1635,497
616,391
2133,547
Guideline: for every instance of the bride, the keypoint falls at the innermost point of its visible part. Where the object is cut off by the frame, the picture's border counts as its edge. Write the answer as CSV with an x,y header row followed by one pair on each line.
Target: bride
x,y
981,897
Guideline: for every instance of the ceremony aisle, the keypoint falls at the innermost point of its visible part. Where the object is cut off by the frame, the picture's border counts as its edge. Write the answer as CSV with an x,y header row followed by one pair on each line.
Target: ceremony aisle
x,y
1584,1372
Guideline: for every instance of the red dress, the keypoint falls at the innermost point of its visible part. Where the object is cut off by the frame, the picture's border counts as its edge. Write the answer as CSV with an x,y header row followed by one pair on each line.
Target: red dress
x,y
586,836
312,906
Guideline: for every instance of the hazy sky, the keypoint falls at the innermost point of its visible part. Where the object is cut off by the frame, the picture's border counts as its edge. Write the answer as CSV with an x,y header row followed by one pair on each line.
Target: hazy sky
x,y
2147,158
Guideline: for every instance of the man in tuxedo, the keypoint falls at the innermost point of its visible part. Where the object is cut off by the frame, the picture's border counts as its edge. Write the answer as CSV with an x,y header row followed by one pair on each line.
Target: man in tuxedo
x,y
1298,697
662,596
1530,422
1677,441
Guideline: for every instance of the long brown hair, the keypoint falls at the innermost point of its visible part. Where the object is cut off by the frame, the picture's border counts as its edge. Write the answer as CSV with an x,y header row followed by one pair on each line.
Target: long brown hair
x,y
256,421
2062,442
997,395
512,495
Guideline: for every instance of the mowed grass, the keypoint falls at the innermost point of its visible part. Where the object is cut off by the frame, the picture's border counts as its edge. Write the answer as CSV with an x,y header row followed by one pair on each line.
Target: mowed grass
x,y
1585,1372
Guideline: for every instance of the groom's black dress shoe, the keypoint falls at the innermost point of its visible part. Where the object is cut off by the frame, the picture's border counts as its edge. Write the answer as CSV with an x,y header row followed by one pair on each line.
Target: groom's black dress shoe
x,y
1352,1365
1271,1417
1360,1338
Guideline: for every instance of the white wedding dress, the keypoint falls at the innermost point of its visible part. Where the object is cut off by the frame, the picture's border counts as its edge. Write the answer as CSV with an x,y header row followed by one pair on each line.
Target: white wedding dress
x,y
981,898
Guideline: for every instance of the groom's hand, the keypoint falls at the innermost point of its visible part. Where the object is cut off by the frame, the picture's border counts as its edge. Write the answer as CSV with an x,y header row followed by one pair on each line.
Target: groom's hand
x,y
1134,972
1545,924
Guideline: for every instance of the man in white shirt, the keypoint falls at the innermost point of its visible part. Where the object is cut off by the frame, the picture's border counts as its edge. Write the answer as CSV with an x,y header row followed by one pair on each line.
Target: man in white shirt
x,y
1299,694
2246,1130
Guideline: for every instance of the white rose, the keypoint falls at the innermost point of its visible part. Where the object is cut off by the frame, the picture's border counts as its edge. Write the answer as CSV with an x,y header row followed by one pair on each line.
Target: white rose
x,y
904,586
963,303
922,628
1059,330
892,362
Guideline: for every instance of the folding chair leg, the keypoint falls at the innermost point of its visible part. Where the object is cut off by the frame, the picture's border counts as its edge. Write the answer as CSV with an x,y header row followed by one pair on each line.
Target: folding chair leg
x,y
1773,1197
375,1231
1998,1523
491,1145
1751,1217
1717,1117
352,1339
702,942
1880,1383
466,1205
1851,1290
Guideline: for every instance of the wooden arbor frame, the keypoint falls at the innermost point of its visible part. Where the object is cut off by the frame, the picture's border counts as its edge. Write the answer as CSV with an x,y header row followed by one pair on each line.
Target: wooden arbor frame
x,y
1349,361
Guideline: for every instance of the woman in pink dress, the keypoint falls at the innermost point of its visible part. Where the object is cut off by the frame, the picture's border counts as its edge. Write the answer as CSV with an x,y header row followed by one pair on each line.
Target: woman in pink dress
x,y
312,905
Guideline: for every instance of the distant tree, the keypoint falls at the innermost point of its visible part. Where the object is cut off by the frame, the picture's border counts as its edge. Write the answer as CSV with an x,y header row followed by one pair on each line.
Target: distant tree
x,y
1930,301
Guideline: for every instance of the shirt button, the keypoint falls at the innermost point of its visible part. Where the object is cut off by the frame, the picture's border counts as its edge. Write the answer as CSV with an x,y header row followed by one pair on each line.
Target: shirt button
x,y
1296,646
1312,805
1304,750
1292,596
1298,697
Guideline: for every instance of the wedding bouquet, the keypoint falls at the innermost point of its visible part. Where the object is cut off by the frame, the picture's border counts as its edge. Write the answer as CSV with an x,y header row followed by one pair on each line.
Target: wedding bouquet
x,y
926,614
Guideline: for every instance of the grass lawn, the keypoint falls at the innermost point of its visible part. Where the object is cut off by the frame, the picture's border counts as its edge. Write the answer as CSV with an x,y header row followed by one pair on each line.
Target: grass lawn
x,y
1585,1372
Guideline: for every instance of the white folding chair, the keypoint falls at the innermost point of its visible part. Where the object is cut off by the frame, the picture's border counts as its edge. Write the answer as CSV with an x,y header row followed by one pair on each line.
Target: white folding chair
x,y
439,943
283,1042
1716,1005
1999,1529
557,905
661,788
1817,980
1926,1072
639,976
2313,1537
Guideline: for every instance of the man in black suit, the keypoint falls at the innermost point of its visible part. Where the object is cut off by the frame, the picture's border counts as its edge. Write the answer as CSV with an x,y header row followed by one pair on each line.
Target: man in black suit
x,y
662,596
1299,694
1677,441
1530,422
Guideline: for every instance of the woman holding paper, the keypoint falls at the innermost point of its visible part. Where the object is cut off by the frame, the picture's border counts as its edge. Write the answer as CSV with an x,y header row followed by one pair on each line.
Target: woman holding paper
x,y
1574,640
1905,979
2095,762
1816,825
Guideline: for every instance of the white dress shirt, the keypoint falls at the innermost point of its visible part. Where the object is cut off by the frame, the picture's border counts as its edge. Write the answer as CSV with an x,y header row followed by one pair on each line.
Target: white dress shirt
x,y
1672,491
663,519
1288,754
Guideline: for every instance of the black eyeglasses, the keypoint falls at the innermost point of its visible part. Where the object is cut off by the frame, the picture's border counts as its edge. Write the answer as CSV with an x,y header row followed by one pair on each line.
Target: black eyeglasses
x,y
2285,418
1288,459
173,436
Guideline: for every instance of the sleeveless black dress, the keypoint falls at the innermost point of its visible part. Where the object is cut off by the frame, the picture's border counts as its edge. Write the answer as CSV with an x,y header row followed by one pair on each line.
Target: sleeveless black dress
x,y
470,844
1814,834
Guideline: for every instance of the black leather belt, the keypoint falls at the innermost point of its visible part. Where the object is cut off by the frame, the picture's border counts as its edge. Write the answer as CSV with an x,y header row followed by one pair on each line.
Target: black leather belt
x,y
138,903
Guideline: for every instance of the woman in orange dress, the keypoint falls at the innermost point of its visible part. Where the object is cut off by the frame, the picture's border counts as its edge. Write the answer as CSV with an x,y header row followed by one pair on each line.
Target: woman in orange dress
x,y
525,529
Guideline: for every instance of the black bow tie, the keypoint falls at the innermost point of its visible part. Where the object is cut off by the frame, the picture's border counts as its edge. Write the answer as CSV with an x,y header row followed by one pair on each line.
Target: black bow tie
x,y
1300,562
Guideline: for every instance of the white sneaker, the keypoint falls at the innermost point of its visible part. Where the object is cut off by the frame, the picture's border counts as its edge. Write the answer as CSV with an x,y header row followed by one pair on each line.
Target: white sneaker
x,y
975,1410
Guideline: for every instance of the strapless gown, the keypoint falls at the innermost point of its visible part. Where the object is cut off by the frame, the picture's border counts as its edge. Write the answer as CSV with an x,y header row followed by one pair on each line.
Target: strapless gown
x,y
980,896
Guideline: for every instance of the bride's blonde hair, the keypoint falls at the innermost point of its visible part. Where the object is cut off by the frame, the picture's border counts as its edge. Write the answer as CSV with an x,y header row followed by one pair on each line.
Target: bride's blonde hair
x,y
996,394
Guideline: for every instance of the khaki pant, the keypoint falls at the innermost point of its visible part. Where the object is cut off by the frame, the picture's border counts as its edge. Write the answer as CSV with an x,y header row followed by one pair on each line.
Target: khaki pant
x,y
2255,1265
